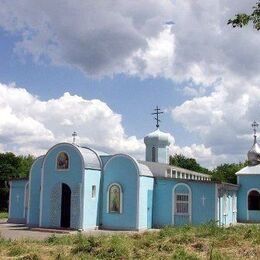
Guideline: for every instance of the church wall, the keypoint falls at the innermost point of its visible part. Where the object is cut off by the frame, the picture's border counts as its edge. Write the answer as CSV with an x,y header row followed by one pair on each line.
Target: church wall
x,y
34,192
164,201
145,202
91,202
121,170
247,183
17,201
163,154
51,184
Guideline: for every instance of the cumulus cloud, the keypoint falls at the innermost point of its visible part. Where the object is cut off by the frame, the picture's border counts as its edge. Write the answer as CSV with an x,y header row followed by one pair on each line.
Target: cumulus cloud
x,y
30,125
218,65
95,36
222,119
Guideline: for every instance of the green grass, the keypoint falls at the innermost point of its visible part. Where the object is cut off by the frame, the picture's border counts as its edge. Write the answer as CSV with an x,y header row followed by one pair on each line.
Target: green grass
x,y
183,243
3,214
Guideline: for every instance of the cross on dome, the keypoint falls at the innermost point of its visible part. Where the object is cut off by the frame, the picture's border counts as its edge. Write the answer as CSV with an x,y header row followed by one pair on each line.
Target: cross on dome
x,y
74,135
157,113
254,126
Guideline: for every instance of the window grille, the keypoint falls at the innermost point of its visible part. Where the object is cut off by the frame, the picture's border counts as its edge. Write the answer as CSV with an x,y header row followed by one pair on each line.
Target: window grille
x,y
182,204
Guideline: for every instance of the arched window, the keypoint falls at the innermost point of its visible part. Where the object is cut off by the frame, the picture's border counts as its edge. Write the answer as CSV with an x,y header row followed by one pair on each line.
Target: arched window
x,y
62,161
182,198
254,200
114,198
153,154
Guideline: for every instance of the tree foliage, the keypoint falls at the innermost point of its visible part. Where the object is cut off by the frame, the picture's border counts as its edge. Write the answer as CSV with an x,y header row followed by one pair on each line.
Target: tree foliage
x,y
226,172
243,19
180,160
222,173
12,167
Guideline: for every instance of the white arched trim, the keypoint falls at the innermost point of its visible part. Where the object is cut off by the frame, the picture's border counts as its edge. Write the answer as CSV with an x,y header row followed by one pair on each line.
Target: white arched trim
x,y
56,161
247,211
189,201
121,198
42,178
124,156
137,181
30,185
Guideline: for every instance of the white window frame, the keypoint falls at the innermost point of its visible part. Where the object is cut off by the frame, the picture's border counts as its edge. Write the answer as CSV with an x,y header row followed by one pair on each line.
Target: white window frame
x,y
121,198
56,161
174,199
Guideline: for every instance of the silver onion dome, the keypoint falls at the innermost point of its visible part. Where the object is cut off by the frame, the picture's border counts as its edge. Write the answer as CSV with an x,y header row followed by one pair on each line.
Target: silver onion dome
x,y
253,154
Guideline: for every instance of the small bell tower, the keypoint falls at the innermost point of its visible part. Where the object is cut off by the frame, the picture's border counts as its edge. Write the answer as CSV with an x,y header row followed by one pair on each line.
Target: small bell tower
x,y
157,143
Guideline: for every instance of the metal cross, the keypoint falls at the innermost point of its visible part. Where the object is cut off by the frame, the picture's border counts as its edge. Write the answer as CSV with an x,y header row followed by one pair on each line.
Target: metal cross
x,y
254,126
74,134
158,111
203,200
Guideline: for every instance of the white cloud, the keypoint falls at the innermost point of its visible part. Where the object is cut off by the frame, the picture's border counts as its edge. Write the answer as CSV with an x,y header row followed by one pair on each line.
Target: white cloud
x,y
218,64
95,36
222,119
29,125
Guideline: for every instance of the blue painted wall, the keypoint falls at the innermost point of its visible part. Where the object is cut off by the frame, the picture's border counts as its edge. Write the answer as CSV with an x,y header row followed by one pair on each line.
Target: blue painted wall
x,y
122,170
91,205
163,201
51,187
247,182
145,202
17,197
34,192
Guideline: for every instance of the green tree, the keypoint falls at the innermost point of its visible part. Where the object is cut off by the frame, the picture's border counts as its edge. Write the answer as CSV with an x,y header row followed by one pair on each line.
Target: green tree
x,y
12,167
182,161
243,19
226,172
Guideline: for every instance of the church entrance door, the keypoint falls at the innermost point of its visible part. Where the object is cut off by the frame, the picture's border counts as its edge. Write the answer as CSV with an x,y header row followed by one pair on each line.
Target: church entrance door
x,y
65,206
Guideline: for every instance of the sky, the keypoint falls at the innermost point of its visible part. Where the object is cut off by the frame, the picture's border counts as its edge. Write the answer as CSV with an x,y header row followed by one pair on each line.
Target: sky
x,y
100,68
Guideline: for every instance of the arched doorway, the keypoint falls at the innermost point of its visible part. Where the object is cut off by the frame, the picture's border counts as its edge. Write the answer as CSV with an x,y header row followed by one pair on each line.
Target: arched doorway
x,y
65,206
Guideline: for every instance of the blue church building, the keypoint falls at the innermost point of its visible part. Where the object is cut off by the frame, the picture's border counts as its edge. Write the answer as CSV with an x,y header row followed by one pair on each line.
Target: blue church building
x,y
76,187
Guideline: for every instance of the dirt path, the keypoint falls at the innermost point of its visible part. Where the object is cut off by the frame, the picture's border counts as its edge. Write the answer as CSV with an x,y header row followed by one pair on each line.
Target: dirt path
x,y
19,231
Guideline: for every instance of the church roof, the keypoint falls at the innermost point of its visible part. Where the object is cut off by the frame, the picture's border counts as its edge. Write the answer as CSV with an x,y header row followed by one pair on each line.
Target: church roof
x,y
158,135
254,170
91,157
144,170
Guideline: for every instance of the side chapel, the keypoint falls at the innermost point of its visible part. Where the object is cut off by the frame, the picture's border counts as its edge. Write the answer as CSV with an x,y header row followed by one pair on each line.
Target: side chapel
x,y
77,187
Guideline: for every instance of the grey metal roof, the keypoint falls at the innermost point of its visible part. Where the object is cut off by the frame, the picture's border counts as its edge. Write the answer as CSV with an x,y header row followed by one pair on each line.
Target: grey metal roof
x,y
144,170
91,158
250,170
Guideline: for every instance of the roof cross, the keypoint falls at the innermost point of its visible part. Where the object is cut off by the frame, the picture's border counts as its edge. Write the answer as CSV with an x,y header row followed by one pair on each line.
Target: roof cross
x,y
74,134
254,126
157,113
